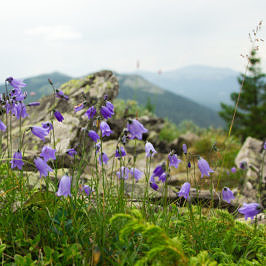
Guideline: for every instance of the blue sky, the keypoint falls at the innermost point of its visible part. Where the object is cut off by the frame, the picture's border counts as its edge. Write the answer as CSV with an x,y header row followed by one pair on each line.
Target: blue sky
x,y
81,36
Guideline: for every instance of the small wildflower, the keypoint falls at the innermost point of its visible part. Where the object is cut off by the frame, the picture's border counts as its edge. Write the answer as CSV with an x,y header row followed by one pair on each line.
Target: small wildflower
x,y
97,147
136,129
189,165
103,159
17,160
91,112
71,152
20,110
105,112
227,194
250,210
173,160
157,172
106,131
123,173
87,189
163,177
78,107
60,94
184,147
16,83
48,126
42,166
184,191
204,167
58,116
233,169
110,106
39,132
64,188
93,135
48,153
34,104
154,186
2,126
243,165
136,173
120,152
149,149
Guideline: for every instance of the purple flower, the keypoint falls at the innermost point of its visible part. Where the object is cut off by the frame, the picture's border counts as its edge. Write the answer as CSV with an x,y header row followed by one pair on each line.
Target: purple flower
x,y
87,189
184,147
48,153
136,173
64,188
91,112
136,129
123,173
42,166
106,113
71,152
48,126
163,177
79,107
17,160
106,131
34,104
264,146
173,160
110,106
233,169
2,126
120,152
184,191
250,210
61,95
243,165
39,132
93,135
58,116
227,194
204,167
16,83
98,147
20,110
149,149
189,165
154,186
158,171
103,159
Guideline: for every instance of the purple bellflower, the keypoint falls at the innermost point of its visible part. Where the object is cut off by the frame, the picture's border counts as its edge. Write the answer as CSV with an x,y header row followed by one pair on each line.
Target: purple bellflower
x,y
48,126
123,173
17,160
16,83
93,135
58,116
60,94
103,159
64,188
106,131
136,129
110,106
227,194
106,113
149,149
184,191
163,177
120,152
34,104
2,126
42,167
97,147
204,167
157,172
48,153
154,186
184,147
78,107
87,189
20,110
39,132
243,165
250,210
71,152
233,169
173,160
91,112
136,173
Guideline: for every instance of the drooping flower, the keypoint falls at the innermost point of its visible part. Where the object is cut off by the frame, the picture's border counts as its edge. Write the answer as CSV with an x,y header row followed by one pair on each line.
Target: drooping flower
x,y
87,189
34,104
123,173
78,107
2,126
71,152
42,166
93,135
106,131
173,160
17,160
110,106
64,188
91,112
103,158
39,132
48,153
189,165
136,173
120,152
204,167
233,169
136,129
48,126
97,147
227,194
20,110
58,116
250,210
163,177
184,191
149,149
106,113
60,94
157,172
16,83
184,147
154,186
243,165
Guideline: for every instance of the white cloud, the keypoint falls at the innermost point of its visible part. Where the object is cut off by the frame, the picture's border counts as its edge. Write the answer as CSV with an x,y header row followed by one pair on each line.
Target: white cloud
x,y
54,33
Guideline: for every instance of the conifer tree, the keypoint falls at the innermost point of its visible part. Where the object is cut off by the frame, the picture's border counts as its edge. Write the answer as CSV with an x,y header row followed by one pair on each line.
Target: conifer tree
x,y
250,119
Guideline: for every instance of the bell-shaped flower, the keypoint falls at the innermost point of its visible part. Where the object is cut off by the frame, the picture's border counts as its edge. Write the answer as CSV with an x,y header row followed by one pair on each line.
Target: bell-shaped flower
x,y
149,149
42,167
136,173
250,210
136,129
93,135
173,160
123,173
227,194
17,160
64,188
106,131
39,132
16,83
204,167
91,112
48,153
58,116
184,191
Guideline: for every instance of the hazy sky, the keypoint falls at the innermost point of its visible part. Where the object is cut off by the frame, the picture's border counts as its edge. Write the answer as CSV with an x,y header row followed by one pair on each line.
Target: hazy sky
x,y
80,36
